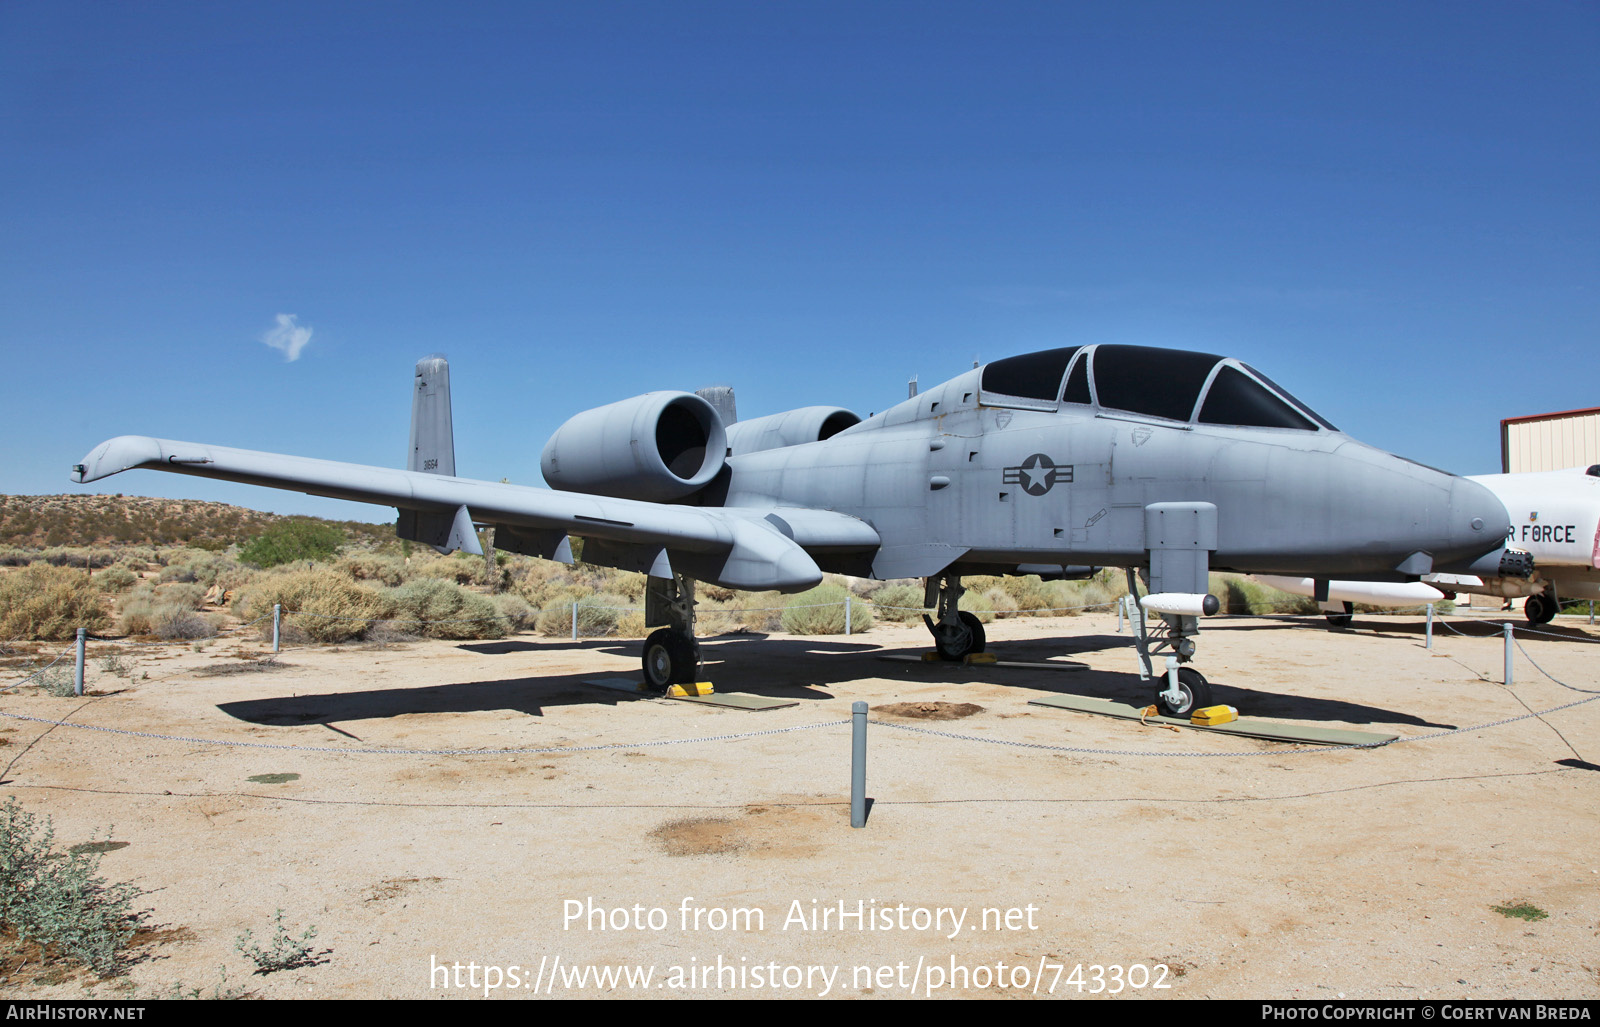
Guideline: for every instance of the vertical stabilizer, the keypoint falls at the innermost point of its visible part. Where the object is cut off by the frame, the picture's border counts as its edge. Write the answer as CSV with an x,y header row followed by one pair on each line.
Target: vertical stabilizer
x,y
433,443
721,399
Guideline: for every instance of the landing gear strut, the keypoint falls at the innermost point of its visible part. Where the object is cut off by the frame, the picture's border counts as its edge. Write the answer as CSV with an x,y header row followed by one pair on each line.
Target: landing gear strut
x,y
956,633
671,655
1184,689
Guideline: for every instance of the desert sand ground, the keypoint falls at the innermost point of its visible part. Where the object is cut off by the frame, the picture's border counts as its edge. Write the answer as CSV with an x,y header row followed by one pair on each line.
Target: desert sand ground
x,y
1244,868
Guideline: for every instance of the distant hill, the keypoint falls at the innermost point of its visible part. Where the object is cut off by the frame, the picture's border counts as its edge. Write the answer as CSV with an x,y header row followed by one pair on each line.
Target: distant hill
x,y
74,520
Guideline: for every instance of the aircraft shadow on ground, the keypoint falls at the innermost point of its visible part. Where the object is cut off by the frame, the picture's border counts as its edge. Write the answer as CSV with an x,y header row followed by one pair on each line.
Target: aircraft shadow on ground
x,y
778,668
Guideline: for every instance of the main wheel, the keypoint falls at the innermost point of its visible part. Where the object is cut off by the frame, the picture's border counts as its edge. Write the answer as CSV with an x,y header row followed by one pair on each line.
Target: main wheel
x,y
954,641
1540,609
1342,620
670,658
1196,694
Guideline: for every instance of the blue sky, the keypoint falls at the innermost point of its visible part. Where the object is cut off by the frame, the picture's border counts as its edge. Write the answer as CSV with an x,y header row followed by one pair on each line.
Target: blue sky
x,y
1393,209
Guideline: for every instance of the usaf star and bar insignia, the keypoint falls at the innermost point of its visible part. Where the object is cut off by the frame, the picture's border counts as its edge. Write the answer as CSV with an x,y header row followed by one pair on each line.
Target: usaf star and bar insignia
x,y
1038,474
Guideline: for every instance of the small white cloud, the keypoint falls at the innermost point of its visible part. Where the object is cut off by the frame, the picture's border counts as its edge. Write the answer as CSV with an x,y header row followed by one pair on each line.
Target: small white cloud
x,y
288,336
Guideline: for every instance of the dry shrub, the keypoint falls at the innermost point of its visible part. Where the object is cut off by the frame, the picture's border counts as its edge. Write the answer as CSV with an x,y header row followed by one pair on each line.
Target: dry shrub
x,y
598,616
117,578
820,611
519,616
1030,594
438,608
463,569
899,603
376,567
49,603
977,603
1001,603
326,605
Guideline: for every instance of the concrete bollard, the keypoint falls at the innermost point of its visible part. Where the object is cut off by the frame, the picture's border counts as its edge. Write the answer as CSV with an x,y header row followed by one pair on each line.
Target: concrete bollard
x,y
1430,627
277,617
1508,653
574,620
77,674
847,613
858,764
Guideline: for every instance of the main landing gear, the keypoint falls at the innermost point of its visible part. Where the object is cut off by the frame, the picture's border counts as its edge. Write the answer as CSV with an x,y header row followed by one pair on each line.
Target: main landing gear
x,y
956,633
1183,689
1340,618
671,654
1541,608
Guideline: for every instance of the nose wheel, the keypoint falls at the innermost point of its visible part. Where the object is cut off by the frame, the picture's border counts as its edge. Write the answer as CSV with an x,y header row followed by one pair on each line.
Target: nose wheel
x,y
1193,692
1341,618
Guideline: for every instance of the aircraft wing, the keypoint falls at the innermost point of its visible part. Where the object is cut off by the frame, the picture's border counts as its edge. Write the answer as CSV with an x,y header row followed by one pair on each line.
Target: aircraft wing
x,y
737,547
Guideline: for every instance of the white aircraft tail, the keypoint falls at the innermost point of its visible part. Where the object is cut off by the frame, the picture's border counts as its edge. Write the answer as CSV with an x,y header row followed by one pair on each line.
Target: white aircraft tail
x,y
433,442
433,451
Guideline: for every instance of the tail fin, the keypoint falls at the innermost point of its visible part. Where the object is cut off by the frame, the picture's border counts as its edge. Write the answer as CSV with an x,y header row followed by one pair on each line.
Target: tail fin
x,y
433,443
721,399
433,451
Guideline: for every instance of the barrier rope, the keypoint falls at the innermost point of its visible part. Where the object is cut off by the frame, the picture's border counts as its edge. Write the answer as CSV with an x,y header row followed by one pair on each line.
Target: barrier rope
x,y
384,751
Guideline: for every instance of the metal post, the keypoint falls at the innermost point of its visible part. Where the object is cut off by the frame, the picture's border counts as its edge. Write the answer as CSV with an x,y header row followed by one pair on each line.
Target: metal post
x,y
1122,608
858,764
1508,654
77,675
847,613
1591,611
277,616
1430,627
574,620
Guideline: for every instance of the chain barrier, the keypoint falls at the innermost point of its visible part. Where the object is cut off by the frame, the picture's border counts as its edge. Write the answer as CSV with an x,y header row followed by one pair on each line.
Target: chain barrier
x,y
59,657
352,750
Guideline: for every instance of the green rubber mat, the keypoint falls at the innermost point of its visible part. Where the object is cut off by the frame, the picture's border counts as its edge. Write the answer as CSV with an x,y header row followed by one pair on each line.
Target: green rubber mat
x,y
731,700
1248,727
737,701
1031,665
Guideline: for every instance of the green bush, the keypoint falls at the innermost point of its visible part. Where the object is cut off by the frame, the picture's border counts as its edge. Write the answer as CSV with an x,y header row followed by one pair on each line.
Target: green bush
x,y
49,603
291,540
59,900
820,611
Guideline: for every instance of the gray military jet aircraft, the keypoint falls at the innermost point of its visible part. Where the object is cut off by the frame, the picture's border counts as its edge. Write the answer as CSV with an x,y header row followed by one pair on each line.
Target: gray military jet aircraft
x,y
1166,461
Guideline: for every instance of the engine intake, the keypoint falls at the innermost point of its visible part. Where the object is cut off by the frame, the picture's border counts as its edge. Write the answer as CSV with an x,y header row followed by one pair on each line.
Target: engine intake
x,y
790,428
657,447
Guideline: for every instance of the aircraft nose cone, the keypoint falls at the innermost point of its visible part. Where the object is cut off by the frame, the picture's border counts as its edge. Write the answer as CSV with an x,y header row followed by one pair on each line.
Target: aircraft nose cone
x,y
1478,519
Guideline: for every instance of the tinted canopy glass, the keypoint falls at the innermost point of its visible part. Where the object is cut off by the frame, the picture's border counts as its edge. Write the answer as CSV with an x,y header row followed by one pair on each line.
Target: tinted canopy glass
x,y
1030,376
1145,380
1237,399
1078,384
1286,394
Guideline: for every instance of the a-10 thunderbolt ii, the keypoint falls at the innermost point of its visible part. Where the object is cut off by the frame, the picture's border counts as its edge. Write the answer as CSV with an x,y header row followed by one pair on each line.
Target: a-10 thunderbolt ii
x,y
1165,462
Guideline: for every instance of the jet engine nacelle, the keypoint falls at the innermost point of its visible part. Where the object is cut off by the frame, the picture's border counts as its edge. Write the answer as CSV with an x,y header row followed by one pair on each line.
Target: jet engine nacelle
x,y
657,447
791,428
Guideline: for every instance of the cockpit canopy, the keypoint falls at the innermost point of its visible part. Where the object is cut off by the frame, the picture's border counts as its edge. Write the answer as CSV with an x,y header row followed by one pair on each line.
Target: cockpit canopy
x,y
1173,384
